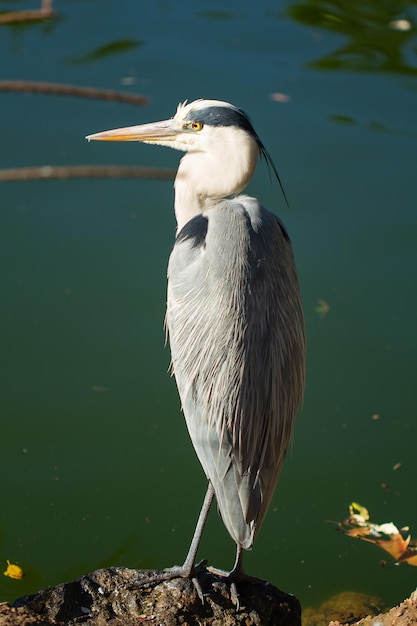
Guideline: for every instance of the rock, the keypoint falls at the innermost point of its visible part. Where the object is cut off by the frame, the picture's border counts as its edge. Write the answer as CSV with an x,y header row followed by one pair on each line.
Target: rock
x,y
11,616
405,614
344,608
115,597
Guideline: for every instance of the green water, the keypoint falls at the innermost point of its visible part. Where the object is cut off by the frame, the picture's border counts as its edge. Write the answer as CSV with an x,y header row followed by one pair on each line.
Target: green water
x,y
97,467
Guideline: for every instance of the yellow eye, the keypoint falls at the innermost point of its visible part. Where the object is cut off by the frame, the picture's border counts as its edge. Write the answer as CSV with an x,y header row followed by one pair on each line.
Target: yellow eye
x,y
196,125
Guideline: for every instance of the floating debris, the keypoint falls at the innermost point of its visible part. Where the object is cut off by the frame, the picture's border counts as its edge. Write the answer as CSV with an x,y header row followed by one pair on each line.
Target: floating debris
x,y
322,308
397,542
280,97
401,25
14,571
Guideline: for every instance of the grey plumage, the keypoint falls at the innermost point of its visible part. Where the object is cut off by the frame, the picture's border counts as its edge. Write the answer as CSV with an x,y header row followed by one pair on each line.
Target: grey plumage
x,y
235,325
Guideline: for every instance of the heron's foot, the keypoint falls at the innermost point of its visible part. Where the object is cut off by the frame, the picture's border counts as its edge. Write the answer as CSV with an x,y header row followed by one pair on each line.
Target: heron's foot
x,y
233,579
177,571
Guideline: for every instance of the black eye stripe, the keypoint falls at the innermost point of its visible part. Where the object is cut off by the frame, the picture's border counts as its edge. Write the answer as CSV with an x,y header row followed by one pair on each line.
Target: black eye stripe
x,y
221,116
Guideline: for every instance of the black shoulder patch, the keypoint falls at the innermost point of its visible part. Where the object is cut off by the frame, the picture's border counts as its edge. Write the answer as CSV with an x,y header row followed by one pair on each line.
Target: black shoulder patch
x,y
196,230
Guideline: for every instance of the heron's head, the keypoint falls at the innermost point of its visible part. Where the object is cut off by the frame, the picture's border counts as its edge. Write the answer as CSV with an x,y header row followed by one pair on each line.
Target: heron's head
x,y
195,127
220,135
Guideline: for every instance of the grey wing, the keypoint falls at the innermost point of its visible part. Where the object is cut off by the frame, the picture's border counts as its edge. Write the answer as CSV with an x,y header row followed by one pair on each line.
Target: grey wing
x,y
237,342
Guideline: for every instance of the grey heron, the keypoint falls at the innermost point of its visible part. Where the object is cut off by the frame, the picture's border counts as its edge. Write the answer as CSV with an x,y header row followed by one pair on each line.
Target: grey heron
x,y
234,317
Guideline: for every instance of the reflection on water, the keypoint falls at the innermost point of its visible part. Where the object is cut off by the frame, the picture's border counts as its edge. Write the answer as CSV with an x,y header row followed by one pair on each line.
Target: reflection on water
x,y
109,49
381,35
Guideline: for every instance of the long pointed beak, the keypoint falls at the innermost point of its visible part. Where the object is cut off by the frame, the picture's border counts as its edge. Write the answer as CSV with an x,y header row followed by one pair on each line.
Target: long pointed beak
x,y
148,133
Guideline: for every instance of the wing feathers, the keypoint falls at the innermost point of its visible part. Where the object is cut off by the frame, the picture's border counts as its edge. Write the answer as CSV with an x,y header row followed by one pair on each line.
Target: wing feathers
x,y
237,342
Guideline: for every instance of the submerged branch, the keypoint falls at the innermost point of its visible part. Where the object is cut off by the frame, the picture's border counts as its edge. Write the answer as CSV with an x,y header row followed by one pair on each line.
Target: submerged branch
x,y
45,12
58,89
84,171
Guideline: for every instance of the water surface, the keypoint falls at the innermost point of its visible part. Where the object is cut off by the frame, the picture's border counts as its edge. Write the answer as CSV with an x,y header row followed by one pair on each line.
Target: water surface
x,y
97,466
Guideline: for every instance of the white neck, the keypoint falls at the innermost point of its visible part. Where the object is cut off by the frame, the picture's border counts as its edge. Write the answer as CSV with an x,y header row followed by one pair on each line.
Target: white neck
x,y
220,169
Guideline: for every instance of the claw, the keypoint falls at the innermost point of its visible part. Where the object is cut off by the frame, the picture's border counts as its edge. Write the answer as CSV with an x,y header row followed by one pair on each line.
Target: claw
x,y
177,571
233,579
234,596
198,588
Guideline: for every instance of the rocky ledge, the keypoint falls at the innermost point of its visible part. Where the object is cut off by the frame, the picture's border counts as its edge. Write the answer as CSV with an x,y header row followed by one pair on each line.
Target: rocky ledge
x,y
118,597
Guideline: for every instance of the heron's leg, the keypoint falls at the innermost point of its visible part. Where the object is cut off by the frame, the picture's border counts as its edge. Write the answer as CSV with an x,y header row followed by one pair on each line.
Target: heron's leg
x,y
189,569
235,576
201,522
237,572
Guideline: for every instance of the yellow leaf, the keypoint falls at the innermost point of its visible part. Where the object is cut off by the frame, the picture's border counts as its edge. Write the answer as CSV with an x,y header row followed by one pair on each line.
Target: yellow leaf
x,y
395,546
386,536
358,509
14,571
